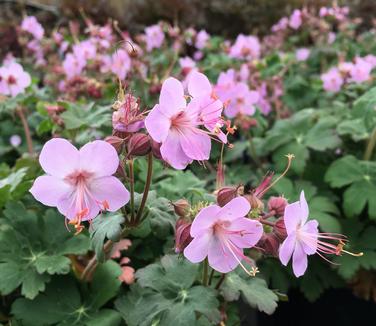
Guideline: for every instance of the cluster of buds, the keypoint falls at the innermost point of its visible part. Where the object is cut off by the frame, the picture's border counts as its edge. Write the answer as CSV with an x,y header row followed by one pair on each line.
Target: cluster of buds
x,y
79,85
127,123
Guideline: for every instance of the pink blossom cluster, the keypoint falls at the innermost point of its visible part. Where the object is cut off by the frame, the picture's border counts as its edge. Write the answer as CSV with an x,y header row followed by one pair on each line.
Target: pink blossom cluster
x,y
245,47
339,13
238,98
183,129
358,71
294,21
13,79
32,27
154,37
223,232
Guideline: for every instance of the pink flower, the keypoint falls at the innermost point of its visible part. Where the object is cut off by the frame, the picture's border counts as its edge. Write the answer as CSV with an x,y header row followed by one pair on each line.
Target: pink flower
x,y
281,25
187,63
121,63
154,37
209,106
176,125
332,80
303,238
302,54
79,182
221,234
245,47
202,38
13,79
295,19
128,117
242,101
32,26
361,71
73,65
371,59
85,50
331,37
244,72
15,140
225,83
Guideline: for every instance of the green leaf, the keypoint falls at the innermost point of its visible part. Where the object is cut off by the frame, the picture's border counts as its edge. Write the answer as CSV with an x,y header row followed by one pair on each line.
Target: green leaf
x,y
254,291
105,226
105,284
64,303
34,247
360,176
164,295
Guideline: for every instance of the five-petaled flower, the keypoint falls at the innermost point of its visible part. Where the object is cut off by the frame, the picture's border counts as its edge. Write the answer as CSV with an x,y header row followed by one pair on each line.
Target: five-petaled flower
x,y
176,125
221,234
303,238
79,182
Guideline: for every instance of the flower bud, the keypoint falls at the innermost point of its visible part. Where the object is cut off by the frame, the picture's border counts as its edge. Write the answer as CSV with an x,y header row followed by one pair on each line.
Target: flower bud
x,y
255,202
277,204
269,243
116,142
182,235
155,148
138,145
226,194
279,229
181,207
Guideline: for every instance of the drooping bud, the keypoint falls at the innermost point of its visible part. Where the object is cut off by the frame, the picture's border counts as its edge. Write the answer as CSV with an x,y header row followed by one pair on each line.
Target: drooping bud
x,y
269,243
139,145
226,194
116,142
279,229
181,207
156,149
277,204
182,235
255,202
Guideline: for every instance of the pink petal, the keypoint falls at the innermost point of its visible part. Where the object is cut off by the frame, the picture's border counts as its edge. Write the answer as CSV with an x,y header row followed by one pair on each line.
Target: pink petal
x,y
303,208
59,157
110,189
197,250
299,260
173,153
48,190
204,220
67,206
127,275
220,257
292,217
287,248
252,232
195,144
238,207
310,235
198,84
99,158
172,98
157,124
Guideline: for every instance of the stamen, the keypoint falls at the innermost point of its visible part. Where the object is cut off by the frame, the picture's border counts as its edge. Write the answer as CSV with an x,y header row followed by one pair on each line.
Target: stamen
x,y
340,250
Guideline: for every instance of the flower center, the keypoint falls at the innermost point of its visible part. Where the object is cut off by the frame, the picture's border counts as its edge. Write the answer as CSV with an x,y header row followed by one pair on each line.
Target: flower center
x,y
12,80
83,197
180,120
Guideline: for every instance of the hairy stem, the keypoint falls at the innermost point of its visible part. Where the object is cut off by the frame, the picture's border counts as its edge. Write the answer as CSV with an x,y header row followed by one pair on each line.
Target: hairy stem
x,y
147,187
131,183
21,115
370,146
220,282
205,273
